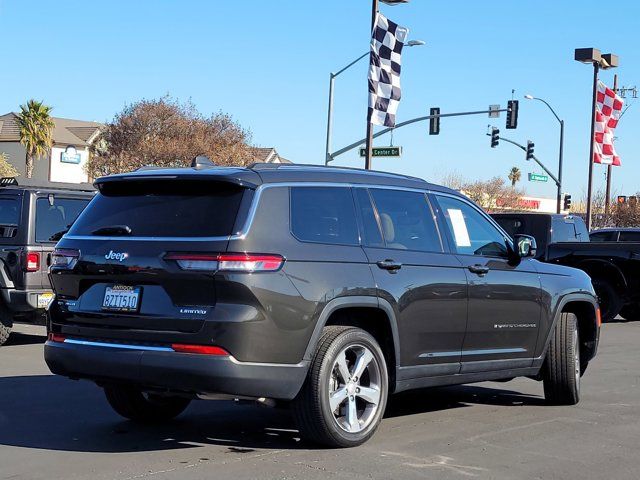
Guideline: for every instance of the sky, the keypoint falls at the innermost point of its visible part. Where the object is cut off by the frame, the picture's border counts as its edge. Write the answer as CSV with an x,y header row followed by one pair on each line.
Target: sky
x,y
268,63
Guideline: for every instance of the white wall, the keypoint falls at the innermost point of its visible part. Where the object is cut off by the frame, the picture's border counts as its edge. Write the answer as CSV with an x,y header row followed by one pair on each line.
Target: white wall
x,y
68,172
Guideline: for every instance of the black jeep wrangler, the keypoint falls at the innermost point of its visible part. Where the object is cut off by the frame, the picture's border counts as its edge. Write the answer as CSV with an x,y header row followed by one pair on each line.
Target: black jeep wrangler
x,y
329,288
32,220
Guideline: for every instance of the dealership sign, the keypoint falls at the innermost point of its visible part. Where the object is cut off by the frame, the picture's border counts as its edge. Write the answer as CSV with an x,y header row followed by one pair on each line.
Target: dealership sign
x,y
70,155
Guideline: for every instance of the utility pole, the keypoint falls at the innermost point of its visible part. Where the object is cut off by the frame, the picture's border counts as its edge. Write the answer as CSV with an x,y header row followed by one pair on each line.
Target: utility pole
x,y
607,198
369,136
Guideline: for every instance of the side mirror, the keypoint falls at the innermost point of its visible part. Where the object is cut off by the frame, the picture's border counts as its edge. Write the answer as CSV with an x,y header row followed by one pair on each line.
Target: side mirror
x,y
525,245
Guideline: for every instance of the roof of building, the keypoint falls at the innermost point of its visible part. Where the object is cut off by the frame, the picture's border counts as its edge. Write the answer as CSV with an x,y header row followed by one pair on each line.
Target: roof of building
x,y
264,173
267,155
65,132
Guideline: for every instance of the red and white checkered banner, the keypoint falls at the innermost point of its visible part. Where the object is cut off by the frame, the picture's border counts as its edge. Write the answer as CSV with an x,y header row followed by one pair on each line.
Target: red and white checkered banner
x,y
608,111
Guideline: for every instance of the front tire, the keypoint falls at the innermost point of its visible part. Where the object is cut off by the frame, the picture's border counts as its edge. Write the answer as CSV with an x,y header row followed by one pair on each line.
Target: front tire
x,y
344,396
562,370
142,407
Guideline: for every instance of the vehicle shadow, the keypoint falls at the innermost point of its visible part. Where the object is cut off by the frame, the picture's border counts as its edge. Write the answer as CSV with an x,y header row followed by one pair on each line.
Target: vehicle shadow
x,y
53,413
18,338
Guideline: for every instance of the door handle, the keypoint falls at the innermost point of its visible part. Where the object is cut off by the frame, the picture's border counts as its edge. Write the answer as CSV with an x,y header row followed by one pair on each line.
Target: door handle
x,y
390,265
479,269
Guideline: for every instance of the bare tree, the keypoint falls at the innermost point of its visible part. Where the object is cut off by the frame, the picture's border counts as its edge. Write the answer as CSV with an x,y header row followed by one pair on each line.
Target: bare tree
x,y
166,133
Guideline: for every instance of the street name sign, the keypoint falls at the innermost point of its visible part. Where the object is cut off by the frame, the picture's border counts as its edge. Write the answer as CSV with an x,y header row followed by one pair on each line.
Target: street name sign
x,y
536,177
382,152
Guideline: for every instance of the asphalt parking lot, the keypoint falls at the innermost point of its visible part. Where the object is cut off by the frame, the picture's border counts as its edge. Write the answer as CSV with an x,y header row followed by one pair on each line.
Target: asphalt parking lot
x,y
53,428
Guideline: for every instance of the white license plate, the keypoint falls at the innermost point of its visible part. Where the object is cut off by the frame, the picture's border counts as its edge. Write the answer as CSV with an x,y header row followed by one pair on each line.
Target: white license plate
x,y
121,298
44,299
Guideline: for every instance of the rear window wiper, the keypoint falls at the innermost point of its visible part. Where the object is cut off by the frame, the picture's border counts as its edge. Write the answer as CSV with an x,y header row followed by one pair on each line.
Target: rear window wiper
x,y
117,230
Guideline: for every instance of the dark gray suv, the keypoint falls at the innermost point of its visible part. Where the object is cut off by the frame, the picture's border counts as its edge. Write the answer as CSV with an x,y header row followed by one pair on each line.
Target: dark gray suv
x,y
328,288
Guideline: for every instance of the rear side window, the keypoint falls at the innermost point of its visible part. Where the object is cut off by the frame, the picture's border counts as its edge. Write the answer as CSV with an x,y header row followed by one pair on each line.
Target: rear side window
x,y
629,236
9,211
406,220
324,215
604,236
166,208
57,218
565,230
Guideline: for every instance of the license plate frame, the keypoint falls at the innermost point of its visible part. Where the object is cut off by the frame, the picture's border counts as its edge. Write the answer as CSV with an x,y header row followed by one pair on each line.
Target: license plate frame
x,y
121,298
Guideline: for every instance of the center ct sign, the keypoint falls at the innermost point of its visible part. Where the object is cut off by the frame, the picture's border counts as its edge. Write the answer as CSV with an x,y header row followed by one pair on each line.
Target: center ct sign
x,y
70,155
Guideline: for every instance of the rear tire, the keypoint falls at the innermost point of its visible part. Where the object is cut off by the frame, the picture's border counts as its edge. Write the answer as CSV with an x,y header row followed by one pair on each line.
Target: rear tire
x,y
142,407
344,396
562,370
609,299
6,323
4,333
631,313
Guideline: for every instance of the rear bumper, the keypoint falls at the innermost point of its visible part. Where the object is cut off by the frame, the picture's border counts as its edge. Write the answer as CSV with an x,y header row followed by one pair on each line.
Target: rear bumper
x,y
180,372
20,301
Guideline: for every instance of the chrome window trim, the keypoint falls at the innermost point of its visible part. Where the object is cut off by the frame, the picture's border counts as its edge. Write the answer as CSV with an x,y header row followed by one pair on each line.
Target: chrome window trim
x,y
242,234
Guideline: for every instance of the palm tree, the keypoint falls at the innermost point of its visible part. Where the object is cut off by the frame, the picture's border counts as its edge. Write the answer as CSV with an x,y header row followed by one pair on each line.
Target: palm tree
x,y
36,132
514,176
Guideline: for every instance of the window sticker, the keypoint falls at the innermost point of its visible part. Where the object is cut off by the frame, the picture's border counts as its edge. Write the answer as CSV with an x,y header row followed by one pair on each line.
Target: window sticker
x,y
460,231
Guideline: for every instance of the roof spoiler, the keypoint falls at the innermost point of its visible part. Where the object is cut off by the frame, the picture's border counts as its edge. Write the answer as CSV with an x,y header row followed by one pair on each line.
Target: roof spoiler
x,y
6,181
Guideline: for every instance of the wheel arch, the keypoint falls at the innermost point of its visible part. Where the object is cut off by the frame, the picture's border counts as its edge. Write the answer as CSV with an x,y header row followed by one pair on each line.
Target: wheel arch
x,y
586,309
602,269
356,311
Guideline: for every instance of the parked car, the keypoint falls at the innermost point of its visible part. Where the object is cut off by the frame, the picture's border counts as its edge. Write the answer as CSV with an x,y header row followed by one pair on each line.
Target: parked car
x,y
615,235
31,219
614,267
325,288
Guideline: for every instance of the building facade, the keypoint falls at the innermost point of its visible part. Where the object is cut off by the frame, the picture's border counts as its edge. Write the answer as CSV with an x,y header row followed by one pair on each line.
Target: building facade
x,y
66,162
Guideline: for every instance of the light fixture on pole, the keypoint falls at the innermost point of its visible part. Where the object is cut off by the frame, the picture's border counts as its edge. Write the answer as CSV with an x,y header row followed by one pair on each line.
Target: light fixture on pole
x,y
599,61
332,77
560,154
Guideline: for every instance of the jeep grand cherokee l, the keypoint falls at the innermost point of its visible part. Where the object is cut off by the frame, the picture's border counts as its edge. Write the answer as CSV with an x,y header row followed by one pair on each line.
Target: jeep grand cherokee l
x,y
330,288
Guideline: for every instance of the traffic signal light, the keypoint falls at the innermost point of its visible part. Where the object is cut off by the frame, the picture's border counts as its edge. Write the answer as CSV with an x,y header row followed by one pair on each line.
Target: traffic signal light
x,y
530,146
495,137
512,114
622,199
567,201
434,123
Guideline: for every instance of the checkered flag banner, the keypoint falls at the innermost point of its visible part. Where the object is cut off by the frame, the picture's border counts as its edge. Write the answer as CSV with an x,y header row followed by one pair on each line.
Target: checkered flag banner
x,y
387,40
608,111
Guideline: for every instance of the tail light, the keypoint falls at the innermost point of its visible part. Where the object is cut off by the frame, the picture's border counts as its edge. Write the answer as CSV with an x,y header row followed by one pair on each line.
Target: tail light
x,y
32,262
598,317
227,262
200,349
56,337
65,258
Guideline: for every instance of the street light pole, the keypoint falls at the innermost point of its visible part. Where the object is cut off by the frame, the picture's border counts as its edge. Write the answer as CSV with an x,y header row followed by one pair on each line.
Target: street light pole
x,y
369,135
596,68
560,154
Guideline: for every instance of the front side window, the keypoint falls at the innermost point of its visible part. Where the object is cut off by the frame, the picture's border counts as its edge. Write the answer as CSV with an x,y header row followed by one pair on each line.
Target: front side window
x,y
472,233
324,215
57,218
406,220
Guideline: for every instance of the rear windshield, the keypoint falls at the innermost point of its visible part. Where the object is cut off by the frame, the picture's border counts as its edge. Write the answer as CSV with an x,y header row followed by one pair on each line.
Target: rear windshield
x,y
167,208
52,221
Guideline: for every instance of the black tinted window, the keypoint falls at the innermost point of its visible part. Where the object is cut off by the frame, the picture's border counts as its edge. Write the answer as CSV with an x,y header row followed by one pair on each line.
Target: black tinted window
x,y
56,218
406,220
630,236
371,231
324,215
472,233
167,208
10,210
604,236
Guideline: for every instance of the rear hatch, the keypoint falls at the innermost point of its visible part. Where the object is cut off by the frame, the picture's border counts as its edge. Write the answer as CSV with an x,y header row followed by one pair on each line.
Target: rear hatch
x,y
131,251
